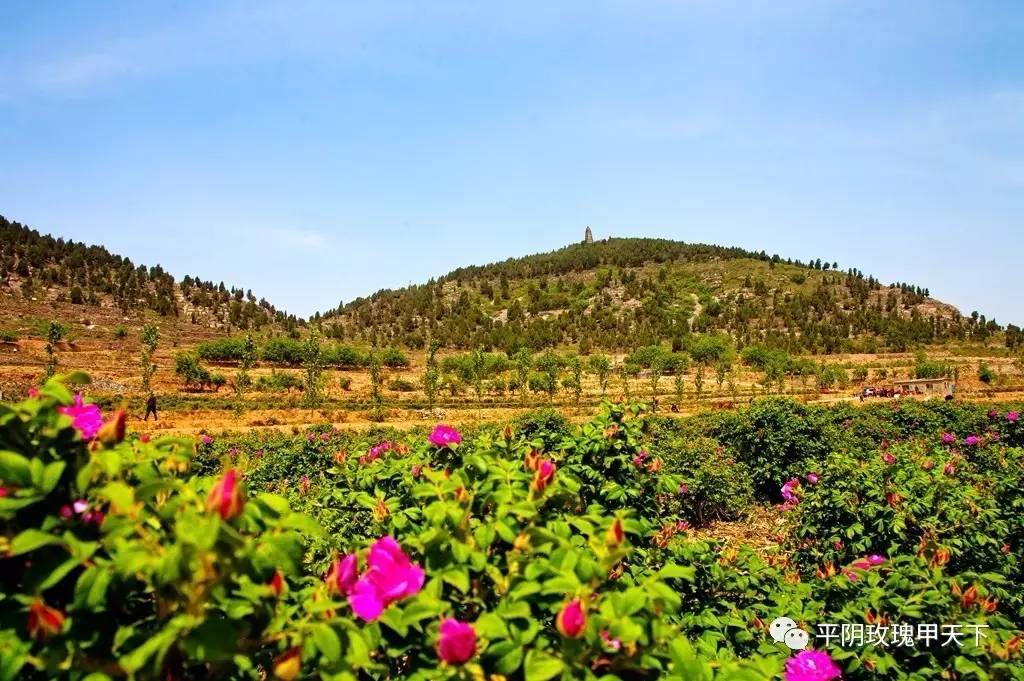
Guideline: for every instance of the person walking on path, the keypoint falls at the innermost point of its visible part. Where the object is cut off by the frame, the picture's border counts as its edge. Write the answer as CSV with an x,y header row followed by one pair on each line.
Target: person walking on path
x,y
151,407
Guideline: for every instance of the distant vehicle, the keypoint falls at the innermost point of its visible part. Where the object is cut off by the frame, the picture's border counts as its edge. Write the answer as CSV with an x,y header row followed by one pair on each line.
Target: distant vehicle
x,y
872,391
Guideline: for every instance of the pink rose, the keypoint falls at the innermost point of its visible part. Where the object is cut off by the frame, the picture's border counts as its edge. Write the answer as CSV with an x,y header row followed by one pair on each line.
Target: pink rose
x,y
444,436
456,642
390,576
811,665
86,418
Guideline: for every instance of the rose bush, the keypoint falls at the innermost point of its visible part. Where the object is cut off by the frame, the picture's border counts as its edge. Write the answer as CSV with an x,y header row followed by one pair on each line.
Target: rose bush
x,y
533,552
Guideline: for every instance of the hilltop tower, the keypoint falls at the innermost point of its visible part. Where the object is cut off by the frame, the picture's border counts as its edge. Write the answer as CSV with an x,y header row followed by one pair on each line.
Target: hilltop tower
x,y
588,236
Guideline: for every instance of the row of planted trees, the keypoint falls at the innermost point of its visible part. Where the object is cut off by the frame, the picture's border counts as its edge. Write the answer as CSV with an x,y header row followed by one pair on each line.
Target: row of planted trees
x,y
645,371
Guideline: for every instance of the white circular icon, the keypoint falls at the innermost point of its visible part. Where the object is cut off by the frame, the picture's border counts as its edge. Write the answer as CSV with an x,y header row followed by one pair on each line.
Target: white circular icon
x,y
779,627
797,639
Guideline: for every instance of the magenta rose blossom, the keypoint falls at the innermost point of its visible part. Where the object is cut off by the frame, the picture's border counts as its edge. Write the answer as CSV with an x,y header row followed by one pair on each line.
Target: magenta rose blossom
x,y
444,436
390,576
948,438
1012,416
456,642
790,489
86,418
971,440
812,478
811,665
343,574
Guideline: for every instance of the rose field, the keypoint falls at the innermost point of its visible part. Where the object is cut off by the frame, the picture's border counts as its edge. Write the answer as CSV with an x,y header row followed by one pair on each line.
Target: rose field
x,y
536,549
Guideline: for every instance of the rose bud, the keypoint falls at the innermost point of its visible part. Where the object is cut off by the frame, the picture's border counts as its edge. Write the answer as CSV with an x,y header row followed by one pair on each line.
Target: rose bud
x,y
456,642
572,620
615,534
226,496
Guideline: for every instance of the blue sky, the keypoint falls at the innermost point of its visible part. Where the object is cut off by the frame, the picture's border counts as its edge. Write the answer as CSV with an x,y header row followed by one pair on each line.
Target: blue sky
x,y
318,151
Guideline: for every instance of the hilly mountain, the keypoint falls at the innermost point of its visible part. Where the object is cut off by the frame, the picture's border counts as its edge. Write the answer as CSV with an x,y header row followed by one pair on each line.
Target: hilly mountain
x,y
619,294
42,272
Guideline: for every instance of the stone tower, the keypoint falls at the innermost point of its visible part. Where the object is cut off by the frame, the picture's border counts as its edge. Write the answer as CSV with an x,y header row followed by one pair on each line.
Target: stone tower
x,y
588,236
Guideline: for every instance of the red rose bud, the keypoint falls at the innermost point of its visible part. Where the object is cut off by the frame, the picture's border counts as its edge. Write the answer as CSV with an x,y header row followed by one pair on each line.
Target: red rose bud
x,y
288,665
277,584
226,496
572,620
544,475
113,430
615,533
44,621
456,642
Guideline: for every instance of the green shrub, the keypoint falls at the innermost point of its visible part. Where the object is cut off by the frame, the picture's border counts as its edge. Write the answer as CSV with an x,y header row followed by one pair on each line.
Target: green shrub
x,y
182,576
282,351
343,356
775,440
222,349
279,381
713,485
401,385
393,358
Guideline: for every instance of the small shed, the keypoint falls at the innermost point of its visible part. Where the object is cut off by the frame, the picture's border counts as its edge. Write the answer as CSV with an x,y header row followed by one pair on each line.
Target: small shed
x,y
924,386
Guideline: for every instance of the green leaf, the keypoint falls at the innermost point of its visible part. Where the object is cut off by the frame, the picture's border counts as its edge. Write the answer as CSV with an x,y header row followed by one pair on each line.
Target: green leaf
x,y
30,540
327,641
59,573
510,657
672,570
491,626
15,469
51,476
213,641
155,646
541,666
120,495
457,578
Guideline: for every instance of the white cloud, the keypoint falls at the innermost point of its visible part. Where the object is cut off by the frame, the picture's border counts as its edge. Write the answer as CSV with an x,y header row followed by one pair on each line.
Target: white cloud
x,y
296,238
78,71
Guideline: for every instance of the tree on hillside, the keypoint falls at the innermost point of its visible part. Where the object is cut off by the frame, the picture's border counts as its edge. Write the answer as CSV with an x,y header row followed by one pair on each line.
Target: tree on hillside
x,y
313,366
55,333
150,337
575,380
601,367
431,375
773,363
376,384
192,373
550,366
707,350
523,362
627,372
246,361
657,370
722,368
